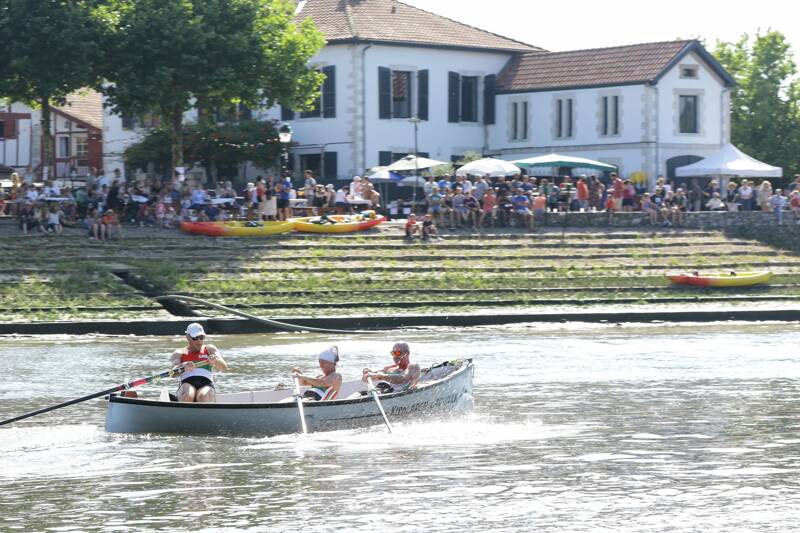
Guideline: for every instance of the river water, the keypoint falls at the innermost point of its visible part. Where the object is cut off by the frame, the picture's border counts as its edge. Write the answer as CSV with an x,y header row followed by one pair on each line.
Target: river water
x,y
576,428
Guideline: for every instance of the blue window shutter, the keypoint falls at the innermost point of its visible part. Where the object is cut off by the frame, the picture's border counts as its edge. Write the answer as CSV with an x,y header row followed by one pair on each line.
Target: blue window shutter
x,y
489,99
453,97
329,93
331,166
384,158
422,95
384,92
286,113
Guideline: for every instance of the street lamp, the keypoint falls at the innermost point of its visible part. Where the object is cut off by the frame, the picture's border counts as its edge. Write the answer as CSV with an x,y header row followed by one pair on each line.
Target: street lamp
x,y
285,137
415,120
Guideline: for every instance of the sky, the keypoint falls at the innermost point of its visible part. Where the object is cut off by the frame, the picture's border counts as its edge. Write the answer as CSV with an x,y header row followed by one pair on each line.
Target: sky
x,y
577,24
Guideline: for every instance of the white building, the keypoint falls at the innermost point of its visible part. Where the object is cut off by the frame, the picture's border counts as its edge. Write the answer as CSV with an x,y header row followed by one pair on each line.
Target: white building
x,y
646,108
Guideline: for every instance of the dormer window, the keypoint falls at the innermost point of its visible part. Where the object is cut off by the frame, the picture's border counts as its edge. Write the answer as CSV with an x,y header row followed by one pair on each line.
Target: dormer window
x,y
689,72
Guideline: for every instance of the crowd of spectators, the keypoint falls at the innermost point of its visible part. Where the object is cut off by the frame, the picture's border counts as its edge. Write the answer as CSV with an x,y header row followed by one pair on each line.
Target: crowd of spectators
x,y
103,204
473,202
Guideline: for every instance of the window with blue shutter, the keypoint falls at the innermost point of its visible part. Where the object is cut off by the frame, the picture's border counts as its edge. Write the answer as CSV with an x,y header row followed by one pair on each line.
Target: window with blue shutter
x,y
329,92
330,164
286,114
385,158
422,95
489,99
384,92
453,96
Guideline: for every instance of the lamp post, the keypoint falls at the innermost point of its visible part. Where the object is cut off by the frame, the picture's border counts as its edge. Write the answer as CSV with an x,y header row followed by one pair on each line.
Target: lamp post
x,y
285,137
415,120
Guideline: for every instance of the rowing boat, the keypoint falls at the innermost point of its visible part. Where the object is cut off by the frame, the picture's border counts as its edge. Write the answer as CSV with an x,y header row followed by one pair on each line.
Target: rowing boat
x,y
442,389
337,223
730,279
237,228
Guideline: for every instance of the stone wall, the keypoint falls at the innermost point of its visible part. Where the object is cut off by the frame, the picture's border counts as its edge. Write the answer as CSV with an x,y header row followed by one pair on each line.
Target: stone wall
x,y
705,220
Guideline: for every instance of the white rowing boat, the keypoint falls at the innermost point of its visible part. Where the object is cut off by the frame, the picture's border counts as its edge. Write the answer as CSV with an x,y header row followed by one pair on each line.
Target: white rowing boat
x,y
442,389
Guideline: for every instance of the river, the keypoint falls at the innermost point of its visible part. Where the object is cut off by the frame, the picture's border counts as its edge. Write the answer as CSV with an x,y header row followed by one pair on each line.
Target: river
x,y
575,428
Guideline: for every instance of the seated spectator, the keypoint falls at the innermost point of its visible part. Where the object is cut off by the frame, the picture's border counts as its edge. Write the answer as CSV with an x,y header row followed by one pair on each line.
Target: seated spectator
x,y
110,225
473,209
488,207
341,204
211,211
412,227
27,218
373,196
429,229
92,222
539,206
459,209
505,208
522,209
436,203
448,209
715,203
650,208
54,220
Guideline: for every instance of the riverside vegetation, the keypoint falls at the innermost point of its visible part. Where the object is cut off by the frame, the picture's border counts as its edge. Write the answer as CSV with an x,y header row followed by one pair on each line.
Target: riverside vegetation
x,y
63,278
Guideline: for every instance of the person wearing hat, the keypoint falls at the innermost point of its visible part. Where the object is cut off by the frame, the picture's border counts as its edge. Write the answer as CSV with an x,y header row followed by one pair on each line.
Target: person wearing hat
x,y
197,381
327,385
400,375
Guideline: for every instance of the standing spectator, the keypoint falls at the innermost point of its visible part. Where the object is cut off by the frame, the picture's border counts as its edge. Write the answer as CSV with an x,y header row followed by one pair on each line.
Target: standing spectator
x,y
628,196
596,190
794,204
795,185
481,187
271,200
731,197
251,199
309,187
582,193
747,195
778,202
695,197
763,195
709,191
617,190
539,207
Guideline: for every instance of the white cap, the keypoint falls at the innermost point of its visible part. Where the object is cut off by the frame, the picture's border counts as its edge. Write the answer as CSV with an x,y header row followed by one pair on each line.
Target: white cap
x,y
330,355
194,330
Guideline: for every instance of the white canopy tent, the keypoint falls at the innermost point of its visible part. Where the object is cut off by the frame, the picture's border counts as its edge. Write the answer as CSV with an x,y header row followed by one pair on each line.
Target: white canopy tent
x,y
410,162
729,161
567,161
488,166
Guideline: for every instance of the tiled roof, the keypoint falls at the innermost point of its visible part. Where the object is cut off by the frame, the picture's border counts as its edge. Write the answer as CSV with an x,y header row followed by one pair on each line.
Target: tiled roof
x,y
86,106
595,67
395,22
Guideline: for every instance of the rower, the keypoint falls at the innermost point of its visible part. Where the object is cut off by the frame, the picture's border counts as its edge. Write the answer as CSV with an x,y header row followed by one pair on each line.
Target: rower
x,y
327,385
197,382
399,376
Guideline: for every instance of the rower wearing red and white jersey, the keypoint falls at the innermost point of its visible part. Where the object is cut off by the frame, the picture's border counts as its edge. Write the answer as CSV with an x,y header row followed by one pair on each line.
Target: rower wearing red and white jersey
x,y
197,381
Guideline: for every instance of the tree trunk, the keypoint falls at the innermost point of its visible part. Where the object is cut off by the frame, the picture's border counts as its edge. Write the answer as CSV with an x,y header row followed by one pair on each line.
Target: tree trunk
x,y
48,143
176,132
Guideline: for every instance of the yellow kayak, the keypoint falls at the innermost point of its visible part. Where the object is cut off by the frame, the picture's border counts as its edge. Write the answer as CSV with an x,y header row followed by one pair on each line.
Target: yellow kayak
x,y
237,228
337,223
729,279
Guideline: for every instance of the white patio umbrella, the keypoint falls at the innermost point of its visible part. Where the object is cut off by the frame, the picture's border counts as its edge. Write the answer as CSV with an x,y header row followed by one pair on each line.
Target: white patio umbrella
x,y
410,162
556,160
412,181
729,161
488,166
385,176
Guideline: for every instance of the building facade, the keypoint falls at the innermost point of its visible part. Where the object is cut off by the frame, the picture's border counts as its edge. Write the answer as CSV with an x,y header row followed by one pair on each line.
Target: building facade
x,y
646,108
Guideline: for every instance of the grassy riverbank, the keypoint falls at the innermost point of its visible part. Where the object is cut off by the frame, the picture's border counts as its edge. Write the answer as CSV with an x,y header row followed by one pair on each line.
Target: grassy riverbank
x,y
70,278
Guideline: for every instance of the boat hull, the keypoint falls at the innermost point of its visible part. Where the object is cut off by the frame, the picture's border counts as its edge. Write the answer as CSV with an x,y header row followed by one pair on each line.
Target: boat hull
x,y
236,229
128,415
342,226
742,279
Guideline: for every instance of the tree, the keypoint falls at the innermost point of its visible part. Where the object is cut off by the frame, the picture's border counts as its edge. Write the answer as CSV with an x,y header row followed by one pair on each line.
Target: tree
x,y
32,31
168,56
765,104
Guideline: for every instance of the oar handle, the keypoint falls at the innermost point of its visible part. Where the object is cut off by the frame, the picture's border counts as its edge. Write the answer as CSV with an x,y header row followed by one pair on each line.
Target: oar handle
x,y
378,403
299,400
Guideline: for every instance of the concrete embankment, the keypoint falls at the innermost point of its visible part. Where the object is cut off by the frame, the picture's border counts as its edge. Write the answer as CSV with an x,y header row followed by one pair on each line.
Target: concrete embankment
x,y
68,284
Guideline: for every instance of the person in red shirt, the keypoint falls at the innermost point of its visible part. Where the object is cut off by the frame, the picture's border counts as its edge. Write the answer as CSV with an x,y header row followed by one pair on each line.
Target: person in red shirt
x,y
617,190
412,227
197,382
582,193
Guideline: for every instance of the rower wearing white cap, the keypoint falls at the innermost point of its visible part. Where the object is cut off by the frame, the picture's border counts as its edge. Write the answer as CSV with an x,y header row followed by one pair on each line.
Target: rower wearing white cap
x,y
197,381
326,386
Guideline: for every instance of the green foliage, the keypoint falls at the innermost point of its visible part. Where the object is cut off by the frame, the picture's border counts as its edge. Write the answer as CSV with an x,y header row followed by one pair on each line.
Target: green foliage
x,y
168,55
223,145
765,104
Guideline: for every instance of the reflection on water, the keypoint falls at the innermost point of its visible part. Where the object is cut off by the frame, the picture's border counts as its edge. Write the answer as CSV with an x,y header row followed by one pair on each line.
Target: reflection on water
x,y
575,428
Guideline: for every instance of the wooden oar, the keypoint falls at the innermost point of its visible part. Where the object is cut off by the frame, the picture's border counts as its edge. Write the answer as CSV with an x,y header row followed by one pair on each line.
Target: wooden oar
x,y
172,372
300,404
377,401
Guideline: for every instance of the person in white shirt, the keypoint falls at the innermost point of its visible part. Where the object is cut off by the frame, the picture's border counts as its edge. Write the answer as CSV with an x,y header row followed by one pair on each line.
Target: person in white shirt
x,y
52,190
340,201
102,180
32,194
356,187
